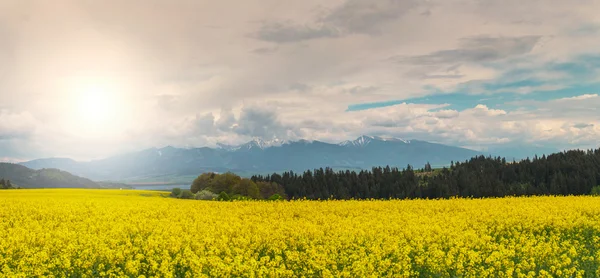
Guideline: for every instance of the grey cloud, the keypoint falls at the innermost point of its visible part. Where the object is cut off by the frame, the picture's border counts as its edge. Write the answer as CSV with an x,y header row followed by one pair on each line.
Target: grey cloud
x,y
288,32
226,120
424,72
443,76
300,87
582,125
362,90
312,124
577,107
283,87
366,16
255,122
352,17
586,30
205,124
265,50
390,122
476,50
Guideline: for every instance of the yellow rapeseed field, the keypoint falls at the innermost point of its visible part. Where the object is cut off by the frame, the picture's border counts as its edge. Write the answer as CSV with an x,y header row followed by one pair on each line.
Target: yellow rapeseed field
x,y
95,233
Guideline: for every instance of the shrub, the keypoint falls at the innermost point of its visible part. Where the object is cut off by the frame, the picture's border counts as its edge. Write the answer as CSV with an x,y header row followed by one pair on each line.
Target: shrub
x,y
596,190
275,197
235,197
206,195
175,192
186,194
223,196
240,197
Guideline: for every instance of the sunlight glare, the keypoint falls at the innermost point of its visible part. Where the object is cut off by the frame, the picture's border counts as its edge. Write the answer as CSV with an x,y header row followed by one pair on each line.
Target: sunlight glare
x,y
96,105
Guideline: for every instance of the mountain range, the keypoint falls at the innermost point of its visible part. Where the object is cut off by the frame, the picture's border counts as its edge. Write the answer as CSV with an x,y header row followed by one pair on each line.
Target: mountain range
x,y
260,157
24,177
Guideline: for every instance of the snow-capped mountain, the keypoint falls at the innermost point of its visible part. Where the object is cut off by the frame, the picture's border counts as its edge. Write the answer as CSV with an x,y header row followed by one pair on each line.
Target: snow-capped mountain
x,y
262,156
365,140
358,142
255,143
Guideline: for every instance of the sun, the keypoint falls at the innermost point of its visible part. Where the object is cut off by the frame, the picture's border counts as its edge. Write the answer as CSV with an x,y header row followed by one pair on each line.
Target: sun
x,y
96,105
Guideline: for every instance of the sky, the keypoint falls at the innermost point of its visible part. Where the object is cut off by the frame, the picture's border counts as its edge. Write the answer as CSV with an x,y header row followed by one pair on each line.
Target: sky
x,y
88,79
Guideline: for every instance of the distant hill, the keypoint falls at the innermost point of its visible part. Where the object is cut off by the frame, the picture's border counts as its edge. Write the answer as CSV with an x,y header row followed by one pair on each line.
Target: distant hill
x,y
24,177
259,156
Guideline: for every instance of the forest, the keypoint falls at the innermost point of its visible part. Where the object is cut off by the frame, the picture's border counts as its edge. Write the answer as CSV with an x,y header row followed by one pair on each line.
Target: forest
x,y
574,172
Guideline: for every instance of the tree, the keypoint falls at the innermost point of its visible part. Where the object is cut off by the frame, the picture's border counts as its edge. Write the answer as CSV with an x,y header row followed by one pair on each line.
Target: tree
x,y
427,167
268,189
175,192
6,184
572,172
202,182
224,182
186,194
246,187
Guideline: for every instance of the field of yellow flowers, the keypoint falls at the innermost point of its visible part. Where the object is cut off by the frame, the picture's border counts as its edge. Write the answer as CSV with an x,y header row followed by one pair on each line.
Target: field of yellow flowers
x,y
92,233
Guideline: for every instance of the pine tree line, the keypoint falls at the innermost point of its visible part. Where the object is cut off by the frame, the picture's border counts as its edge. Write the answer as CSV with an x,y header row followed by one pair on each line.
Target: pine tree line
x,y
6,184
573,172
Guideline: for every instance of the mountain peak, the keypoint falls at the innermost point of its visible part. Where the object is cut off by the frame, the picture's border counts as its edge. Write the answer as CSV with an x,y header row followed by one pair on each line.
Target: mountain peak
x,y
304,141
392,139
365,140
254,143
263,144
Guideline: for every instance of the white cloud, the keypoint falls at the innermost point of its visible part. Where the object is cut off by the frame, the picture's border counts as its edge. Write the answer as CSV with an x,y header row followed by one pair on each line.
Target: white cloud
x,y
580,97
16,124
191,73
483,110
446,114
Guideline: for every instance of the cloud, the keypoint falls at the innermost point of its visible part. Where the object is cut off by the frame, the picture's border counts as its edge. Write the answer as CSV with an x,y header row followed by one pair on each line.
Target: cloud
x,y
482,110
582,125
581,97
352,17
205,124
289,32
226,120
476,50
16,124
366,16
362,90
256,122
446,114
265,50
193,73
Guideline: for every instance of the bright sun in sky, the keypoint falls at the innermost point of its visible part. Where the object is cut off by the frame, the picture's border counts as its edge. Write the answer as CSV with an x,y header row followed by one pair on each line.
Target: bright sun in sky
x,y
96,105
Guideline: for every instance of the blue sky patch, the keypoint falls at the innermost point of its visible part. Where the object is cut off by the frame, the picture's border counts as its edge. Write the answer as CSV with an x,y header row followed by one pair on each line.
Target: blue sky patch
x,y
503,92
